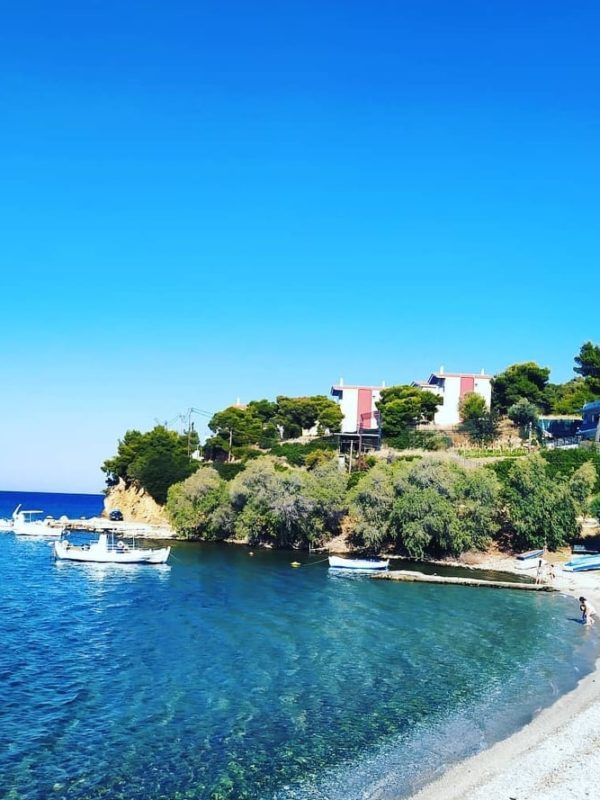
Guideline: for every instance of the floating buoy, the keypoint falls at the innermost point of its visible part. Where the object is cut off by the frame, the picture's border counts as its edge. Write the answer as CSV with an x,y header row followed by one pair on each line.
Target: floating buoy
x,y
295,564
250,553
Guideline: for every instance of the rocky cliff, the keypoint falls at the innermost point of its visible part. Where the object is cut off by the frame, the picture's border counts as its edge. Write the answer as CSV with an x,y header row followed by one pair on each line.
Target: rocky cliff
x,y
135,504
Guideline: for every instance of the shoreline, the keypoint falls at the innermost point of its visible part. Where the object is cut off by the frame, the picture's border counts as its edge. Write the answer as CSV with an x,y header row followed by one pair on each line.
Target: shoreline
x,y
556,756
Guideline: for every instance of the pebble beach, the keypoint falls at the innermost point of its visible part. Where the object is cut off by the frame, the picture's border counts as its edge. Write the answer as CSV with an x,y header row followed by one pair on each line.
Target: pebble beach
x,y
557,755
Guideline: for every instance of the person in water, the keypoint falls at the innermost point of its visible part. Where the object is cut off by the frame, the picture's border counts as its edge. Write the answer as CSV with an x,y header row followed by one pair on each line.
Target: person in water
x,y
587,611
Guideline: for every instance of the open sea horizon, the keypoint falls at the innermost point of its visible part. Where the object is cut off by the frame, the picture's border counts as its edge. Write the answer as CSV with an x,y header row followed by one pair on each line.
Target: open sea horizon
x,y
53,504
222,676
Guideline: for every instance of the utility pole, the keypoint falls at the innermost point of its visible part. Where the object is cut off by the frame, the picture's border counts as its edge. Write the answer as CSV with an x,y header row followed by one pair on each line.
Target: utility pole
x,y
230,444
351,452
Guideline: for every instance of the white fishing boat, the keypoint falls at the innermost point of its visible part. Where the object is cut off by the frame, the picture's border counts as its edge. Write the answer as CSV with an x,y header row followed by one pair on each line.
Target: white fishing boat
x,y
583,563
364,564
28,523
107,551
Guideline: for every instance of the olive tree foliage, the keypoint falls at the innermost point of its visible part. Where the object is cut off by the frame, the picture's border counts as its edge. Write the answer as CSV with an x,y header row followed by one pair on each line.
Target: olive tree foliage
x,y
523,413
582,484
371,503
426,508
538,510
199,506
286,506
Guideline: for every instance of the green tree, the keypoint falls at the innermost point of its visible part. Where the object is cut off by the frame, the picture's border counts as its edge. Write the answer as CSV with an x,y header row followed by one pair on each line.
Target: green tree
x,y
569,398
425,508
539,511
371,503
117,467
278,505
199,507
482,430
154,461
240,426
582,484
472,406
295,414
527,380
524,414
404,407
588,365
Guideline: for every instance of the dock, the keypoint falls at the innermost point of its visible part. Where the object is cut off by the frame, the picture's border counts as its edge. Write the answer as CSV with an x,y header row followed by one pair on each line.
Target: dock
x,y
102,525
420,577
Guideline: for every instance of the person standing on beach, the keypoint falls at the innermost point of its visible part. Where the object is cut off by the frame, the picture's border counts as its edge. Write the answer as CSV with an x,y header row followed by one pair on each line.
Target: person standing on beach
x,y
587,611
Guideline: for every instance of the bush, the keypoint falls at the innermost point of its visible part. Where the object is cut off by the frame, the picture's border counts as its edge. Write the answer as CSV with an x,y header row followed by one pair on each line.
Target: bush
x,y
228,471
595,507
295,452
565,463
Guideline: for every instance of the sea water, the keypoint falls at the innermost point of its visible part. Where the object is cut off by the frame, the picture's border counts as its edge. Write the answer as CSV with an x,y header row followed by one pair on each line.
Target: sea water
x,y
231,675
52,504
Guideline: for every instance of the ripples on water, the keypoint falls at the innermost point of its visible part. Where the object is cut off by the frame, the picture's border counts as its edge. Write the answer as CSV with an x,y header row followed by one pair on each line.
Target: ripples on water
x,y
225,676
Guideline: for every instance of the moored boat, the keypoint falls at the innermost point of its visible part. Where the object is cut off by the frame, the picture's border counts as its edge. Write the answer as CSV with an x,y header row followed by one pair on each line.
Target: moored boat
x,y
358,563
582,564
106,551
27,523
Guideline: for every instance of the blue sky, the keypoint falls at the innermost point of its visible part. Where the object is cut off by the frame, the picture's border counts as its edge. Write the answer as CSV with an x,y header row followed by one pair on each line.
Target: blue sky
x,y
205,200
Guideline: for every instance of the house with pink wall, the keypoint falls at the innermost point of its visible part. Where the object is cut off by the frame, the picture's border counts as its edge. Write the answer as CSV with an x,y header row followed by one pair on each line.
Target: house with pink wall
x,y
452,387
358,406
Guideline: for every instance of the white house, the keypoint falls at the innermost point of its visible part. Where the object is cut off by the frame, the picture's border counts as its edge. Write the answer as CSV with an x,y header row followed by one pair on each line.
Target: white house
x,y
452,387
358,406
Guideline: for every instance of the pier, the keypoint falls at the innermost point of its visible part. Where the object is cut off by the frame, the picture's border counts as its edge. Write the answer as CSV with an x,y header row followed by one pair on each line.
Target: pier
x,y
101,524
420,577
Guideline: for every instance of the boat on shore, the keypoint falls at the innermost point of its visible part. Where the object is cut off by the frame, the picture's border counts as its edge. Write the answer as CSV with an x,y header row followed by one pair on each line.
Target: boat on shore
x,y
529,555
531,563
363,564
28,523
583,563
107,551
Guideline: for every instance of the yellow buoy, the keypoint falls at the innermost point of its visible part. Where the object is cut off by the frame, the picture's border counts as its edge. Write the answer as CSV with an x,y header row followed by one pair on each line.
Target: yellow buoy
x,y
296,564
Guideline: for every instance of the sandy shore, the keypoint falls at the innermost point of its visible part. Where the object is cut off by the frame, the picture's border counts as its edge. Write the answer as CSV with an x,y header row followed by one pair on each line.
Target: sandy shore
x,y
556,756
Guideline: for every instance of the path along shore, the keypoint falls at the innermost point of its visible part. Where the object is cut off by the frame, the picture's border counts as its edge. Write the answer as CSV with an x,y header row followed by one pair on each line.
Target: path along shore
x,y
557,755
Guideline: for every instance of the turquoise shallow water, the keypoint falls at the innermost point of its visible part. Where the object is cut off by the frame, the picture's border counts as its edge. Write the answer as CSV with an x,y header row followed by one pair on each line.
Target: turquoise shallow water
x,y
230,676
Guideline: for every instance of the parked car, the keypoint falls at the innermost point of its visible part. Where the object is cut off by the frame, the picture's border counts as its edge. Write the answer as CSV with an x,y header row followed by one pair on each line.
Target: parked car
x,y
115,516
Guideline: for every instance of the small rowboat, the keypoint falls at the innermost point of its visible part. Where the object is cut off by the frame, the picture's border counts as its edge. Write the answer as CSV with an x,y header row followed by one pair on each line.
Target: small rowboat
x,y
531,563
530,554
107,552
365,564
582,564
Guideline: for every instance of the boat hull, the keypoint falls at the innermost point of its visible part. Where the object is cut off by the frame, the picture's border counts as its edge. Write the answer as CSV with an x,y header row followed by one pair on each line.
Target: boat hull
x,y
362,564
583,564
96,555
36,529
531,563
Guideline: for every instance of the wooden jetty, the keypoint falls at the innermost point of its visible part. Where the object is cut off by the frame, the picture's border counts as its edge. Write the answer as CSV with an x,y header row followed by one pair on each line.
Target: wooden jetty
x,y
420,577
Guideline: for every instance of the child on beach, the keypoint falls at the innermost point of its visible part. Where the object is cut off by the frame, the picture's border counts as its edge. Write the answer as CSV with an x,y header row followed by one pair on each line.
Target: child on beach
x,y
587,611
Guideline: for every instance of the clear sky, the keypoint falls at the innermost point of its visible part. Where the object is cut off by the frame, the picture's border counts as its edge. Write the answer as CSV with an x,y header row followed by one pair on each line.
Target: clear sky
x,y
206,200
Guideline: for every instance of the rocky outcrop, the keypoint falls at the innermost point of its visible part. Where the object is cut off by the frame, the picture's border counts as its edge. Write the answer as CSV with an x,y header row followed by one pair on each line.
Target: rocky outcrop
x,y
135,504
